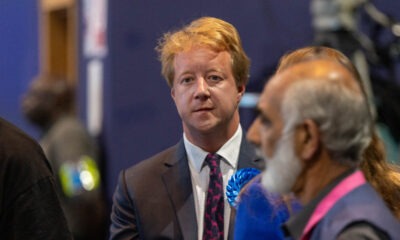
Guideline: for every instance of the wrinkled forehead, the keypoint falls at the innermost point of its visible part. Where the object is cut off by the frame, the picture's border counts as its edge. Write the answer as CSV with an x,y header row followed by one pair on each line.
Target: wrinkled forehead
x,y
274,89
271,97
320,71
324,70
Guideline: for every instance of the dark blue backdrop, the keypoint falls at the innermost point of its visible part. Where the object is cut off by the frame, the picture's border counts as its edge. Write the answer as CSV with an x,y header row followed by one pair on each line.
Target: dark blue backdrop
x,y
139,116
19,56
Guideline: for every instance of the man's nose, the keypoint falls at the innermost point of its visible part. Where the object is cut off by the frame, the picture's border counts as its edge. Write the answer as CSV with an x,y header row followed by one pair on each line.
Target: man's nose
x,y
202,88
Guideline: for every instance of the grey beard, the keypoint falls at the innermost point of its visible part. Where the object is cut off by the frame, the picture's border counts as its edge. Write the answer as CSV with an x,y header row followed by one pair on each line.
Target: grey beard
x,y
283,169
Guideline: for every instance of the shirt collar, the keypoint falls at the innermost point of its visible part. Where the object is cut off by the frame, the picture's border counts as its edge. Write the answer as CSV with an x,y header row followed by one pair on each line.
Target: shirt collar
x,y
295,225
229,151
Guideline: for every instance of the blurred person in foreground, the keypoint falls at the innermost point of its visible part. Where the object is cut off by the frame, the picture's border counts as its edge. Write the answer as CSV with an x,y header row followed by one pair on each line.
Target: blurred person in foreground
x,y
382,175
314,127
29,206
72,152
260,215
168,195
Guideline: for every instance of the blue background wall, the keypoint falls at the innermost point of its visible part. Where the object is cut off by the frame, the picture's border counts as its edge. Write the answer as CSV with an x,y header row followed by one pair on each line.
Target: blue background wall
x,y
19,56
140,118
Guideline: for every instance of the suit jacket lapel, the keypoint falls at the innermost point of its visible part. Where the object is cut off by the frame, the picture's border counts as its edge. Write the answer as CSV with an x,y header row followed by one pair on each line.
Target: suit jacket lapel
x,y
178,183
177,180
247,159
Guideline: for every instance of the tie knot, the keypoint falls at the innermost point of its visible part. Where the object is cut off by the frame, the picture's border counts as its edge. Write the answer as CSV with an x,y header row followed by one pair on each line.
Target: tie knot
x,y
212,160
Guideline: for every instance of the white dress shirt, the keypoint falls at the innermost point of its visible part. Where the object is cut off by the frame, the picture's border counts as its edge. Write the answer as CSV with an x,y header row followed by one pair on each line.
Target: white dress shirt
x,y
200,175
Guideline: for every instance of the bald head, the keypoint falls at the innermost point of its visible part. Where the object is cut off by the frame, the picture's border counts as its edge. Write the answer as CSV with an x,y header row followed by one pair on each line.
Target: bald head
x,y
327,93
326,71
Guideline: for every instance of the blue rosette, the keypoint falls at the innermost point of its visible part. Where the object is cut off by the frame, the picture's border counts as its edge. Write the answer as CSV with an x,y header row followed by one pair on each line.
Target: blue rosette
x,y
237,181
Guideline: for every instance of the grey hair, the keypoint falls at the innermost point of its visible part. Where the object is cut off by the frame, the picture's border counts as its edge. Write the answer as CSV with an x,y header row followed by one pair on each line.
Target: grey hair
x,y
340,113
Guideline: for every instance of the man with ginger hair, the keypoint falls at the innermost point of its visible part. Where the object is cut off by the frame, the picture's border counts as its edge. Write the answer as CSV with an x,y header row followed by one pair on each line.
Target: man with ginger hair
x,y
180,192
314,127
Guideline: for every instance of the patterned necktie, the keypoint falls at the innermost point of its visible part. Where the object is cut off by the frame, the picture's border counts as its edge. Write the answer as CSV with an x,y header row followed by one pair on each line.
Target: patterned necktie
x,y
214,211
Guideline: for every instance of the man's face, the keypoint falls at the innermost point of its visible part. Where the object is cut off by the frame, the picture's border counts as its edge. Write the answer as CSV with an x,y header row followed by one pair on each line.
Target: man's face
x,y
205,92
267,132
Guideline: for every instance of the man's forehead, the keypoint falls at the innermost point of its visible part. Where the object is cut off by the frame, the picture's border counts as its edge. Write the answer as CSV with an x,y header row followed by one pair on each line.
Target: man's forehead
x,y
270,98
273,89
315,69
318,70
324,70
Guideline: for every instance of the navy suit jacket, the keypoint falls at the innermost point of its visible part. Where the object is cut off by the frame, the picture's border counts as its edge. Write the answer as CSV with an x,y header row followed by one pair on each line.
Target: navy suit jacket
x,y
154,199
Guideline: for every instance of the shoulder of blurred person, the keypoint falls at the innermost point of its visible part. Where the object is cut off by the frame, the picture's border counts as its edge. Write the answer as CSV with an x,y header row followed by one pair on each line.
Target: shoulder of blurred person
x,y
29,206
360,214
72,152
260,214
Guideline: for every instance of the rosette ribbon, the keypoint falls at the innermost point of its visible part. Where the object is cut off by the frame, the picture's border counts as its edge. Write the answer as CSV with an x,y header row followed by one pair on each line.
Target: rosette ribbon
x,y
236,183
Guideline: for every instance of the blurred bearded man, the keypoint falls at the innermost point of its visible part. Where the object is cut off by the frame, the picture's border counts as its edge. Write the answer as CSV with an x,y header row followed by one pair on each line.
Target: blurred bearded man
x,y
314,127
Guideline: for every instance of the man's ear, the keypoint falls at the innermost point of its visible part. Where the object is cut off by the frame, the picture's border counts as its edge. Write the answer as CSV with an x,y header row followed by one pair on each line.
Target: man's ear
x,y
241,90
309,139
173,93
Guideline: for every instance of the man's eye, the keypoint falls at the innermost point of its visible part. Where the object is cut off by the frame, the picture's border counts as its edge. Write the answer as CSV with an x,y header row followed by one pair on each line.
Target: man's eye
x,y
214,78
265,121
186,80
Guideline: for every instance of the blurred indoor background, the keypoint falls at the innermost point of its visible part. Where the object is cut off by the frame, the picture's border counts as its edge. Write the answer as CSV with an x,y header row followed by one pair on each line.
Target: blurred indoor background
x,y
106,49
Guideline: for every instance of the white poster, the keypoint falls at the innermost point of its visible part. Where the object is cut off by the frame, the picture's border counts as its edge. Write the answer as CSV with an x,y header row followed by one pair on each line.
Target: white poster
x,y
94,96
95,28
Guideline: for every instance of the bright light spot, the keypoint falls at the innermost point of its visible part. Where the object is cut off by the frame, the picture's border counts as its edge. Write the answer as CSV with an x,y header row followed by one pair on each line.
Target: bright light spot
x,y
396,29
87,180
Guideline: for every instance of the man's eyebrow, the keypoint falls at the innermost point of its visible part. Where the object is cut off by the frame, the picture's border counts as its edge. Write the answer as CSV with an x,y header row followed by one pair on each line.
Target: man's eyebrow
x,y
257,111
264,118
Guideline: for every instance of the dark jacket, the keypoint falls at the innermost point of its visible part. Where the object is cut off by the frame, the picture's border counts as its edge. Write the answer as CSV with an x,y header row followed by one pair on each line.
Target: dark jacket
x,y
154,199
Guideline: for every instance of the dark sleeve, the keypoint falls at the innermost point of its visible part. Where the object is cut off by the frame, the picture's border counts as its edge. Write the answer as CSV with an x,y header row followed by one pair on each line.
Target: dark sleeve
x,y
36,214
362,231
123,217
29,205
